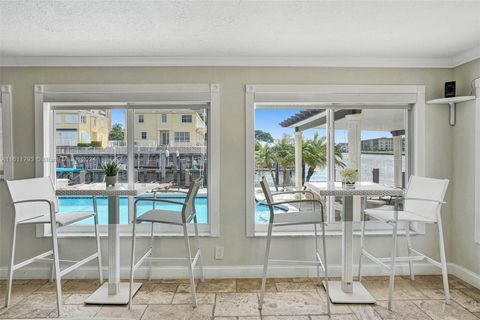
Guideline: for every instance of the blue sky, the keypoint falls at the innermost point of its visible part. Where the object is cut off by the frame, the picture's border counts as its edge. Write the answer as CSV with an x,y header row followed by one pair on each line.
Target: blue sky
x,y
118,116
268,120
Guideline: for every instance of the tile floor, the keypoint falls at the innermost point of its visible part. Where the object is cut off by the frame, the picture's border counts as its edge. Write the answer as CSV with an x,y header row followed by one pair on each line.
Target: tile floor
x,y
237,299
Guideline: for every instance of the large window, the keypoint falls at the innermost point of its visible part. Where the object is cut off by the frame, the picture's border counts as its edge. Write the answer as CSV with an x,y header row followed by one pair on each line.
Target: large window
x,y
291,143
182,137
143,154
6,145
186,118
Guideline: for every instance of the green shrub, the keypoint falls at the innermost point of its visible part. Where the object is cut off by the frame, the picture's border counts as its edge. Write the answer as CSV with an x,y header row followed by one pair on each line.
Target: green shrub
x,y
96,144
83,145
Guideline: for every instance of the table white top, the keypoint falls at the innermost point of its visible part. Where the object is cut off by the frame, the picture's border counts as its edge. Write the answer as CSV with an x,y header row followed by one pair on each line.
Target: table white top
x,y
100,189
360,189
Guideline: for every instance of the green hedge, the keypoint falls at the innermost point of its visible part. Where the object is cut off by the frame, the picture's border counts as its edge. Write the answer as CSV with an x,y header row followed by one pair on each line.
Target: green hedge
x,y
83,145
97,144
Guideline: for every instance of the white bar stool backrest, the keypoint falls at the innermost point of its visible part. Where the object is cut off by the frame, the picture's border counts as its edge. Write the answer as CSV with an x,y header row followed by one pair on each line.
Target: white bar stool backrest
x,y
189,206
29,189
425,188
266,190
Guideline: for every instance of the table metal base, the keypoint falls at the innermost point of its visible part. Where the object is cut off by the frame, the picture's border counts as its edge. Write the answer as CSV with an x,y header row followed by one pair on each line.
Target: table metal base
x,y
101,296
359,294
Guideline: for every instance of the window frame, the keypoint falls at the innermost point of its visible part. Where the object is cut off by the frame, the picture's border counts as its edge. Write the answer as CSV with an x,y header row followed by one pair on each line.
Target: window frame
x,y
141,118
477,161
164,115
187,116
184,134
133,96
329,95
7,131
142,135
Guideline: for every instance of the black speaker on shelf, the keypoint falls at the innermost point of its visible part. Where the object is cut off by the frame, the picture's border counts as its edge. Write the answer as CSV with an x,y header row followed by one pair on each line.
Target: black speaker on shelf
x,y
450,89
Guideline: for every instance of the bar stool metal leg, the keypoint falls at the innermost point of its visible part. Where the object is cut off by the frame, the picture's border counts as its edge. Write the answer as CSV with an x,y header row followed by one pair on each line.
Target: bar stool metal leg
x,y
11,266
325,266
150,262
189,265
56,263
316,249
197,240
394,255
265,264
443,261
132,264
97,240
409,249
362,239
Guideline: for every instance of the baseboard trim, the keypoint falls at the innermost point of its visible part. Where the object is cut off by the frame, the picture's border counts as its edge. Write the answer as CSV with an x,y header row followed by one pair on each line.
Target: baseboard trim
x,y
464,274
246,271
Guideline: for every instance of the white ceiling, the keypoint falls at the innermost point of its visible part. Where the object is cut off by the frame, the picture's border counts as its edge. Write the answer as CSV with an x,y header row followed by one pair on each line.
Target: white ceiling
x,y
350,33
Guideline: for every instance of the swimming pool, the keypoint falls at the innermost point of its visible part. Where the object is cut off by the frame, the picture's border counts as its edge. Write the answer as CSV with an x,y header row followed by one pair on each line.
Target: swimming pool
x,y
72,204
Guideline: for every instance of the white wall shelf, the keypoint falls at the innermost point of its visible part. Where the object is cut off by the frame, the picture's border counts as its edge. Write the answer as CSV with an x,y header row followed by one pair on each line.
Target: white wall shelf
x,y
452,102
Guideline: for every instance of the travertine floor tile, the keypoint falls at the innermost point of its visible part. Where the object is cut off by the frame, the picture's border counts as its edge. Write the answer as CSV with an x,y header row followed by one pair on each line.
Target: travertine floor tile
x,y
217,285
435,281
80,286
184,287
230,299
335,317
254,285
178,312
285,318
432,293
439,310
403,290
75,298
76,311
155,293
158,287
121,312
467,298
153,297
34,306
364,312
286,286
293,303
337,308
402,310
186,298
236,304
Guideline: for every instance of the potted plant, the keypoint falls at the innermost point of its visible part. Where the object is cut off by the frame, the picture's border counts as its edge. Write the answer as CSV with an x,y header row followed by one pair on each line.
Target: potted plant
x,y
111,171
349,176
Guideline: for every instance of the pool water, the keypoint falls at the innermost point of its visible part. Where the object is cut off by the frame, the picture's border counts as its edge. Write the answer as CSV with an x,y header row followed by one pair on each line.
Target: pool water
x,y
72,204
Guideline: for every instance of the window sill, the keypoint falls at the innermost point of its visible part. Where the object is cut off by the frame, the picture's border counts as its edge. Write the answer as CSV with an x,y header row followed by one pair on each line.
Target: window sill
x,y
124,235
261,234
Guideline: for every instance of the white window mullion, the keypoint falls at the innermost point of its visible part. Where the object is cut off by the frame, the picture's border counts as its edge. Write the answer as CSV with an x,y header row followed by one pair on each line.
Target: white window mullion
x,y
130,131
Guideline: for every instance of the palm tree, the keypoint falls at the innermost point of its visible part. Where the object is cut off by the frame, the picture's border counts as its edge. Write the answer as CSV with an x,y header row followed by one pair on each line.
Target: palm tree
x,y
285,154
314,155
266,158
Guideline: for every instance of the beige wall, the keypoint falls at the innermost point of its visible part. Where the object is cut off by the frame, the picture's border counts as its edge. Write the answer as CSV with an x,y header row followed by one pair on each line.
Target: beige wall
x,y
239,250
464,251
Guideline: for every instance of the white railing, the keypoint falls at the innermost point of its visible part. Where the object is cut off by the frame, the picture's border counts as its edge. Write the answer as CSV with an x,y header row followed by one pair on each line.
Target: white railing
x,y
123,149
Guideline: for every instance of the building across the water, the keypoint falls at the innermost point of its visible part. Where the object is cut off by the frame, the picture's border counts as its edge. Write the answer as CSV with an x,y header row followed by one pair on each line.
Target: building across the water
x,y
156,128
379,144
82,128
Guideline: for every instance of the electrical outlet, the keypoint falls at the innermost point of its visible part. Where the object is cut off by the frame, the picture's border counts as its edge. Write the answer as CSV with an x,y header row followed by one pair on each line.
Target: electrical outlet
x,y
219,253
